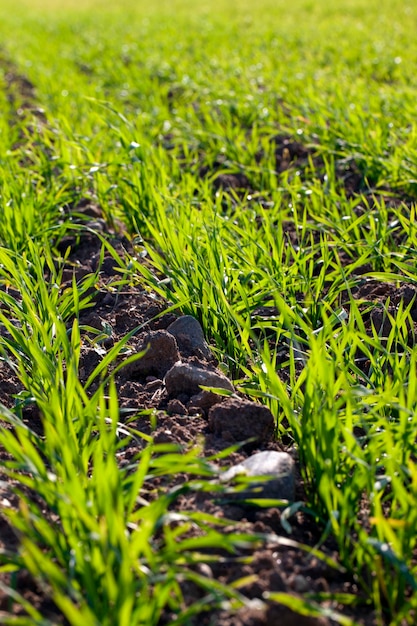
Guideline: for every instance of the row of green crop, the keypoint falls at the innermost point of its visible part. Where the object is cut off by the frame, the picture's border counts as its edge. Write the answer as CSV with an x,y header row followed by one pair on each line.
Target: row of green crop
x,y
144,108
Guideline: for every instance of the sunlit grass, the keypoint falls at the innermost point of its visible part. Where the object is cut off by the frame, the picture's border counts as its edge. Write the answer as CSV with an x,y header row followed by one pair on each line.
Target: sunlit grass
x,y
145,106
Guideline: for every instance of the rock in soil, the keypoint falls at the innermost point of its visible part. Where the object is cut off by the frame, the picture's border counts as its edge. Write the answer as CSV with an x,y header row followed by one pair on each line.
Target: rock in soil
x,y
190,337
240,420
162,353
187,378
279,466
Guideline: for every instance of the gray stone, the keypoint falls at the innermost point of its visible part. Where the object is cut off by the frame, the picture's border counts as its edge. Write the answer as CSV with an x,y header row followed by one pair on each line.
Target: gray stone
x,y
240,420
190,337
299,583
278,466
187,378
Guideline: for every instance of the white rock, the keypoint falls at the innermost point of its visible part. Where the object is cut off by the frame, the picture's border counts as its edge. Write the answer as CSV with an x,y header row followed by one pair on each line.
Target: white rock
x,y
278,467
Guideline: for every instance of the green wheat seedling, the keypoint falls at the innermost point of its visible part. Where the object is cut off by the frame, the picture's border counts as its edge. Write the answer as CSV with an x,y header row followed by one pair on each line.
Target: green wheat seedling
x,y
158,131
353,475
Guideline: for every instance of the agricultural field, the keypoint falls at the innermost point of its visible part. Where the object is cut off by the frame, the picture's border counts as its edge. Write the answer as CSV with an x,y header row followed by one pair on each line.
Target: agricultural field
x,y
208,263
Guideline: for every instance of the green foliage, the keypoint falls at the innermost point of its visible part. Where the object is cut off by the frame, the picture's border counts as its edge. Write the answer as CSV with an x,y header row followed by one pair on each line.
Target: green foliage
x,y
149,112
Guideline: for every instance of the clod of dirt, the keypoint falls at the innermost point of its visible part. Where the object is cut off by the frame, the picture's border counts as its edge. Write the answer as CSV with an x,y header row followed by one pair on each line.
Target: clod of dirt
x,y
279,466
162,353
175,406
383,318
187,378
89,360
288,152
231,181
190,337
387,299
204,400
407,294
381,321
9,384
240,420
